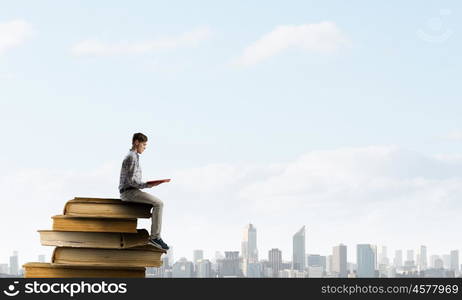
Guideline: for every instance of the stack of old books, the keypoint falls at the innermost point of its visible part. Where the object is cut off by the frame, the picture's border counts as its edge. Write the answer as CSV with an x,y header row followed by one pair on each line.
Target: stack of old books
x,y
97,237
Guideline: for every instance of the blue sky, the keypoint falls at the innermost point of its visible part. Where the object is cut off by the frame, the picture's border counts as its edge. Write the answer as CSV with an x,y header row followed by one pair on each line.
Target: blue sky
x,y
388,85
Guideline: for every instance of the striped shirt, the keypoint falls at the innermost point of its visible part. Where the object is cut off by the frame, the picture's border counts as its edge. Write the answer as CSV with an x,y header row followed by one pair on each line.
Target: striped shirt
x,y
130,173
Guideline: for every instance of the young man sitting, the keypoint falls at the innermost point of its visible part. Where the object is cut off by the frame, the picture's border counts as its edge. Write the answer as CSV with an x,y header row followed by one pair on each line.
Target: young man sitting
x,y
131,184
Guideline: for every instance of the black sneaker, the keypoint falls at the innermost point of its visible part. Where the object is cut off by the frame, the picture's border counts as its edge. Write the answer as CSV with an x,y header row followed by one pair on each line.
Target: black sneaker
x,y
159,243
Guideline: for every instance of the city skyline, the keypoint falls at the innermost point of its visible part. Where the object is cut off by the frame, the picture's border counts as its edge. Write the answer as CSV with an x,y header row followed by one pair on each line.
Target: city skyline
x,y
287,256
369,259
370,262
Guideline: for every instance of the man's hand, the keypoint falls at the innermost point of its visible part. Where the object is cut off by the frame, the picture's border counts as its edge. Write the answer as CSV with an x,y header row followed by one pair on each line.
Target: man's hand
x,y
150,185
156,182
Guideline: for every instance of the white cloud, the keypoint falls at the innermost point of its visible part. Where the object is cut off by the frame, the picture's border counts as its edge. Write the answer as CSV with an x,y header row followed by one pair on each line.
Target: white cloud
x,y
379,194
455,135
7,75
14,34
321,37
95,47
450,158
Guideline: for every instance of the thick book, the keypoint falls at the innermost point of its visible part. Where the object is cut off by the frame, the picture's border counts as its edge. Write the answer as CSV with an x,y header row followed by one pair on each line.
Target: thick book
x,y
141,256
158,181
68,223
50,270
112,240
106,208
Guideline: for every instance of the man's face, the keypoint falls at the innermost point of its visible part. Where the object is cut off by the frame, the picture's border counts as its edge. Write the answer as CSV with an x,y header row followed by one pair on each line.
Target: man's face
x,y
140,146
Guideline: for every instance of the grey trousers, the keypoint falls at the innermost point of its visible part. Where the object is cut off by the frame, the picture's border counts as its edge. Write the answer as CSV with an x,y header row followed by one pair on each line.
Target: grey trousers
x,y
137,195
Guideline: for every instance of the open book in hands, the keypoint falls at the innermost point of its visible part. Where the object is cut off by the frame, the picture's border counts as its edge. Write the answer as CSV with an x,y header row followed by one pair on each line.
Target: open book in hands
x,y
157,182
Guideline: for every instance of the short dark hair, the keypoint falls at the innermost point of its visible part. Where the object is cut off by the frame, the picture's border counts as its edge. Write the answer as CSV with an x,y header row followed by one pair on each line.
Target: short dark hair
x,y
139,137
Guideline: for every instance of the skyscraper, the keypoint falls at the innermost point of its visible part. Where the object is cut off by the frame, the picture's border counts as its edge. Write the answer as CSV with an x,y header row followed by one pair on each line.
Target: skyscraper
x,y
398,260
383,260
365,258
163,271
447,261
14,262
374,249
275,261
339,260
439,264
249,243
433,259
410,255
298,248
423,258
454,265
229,266
329,264
249,247
183,269
204,268
197,255
218,256
316,260
4,269
170,256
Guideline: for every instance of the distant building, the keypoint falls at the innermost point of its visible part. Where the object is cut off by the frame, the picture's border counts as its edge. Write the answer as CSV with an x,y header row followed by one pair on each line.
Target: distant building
x,y
153,272
4,269
383,258
352,268
339,260
439,264
267,270
398,260
433,258
286,265
422,261
197,255
383,270
315,271
166,262
170,256
249,249
292,273
410,255
447,261
454,265
298,248
316,260
14,264
391,272
183,269
204,268
229,266
365,258
254,270
440,273
329,264
218,255
163,271
275,261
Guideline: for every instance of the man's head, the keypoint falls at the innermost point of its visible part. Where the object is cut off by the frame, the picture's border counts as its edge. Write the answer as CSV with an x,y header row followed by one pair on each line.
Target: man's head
x,y
139,142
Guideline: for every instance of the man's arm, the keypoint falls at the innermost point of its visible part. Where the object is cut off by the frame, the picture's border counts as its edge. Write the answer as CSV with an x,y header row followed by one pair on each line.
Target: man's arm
x,y
133,180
